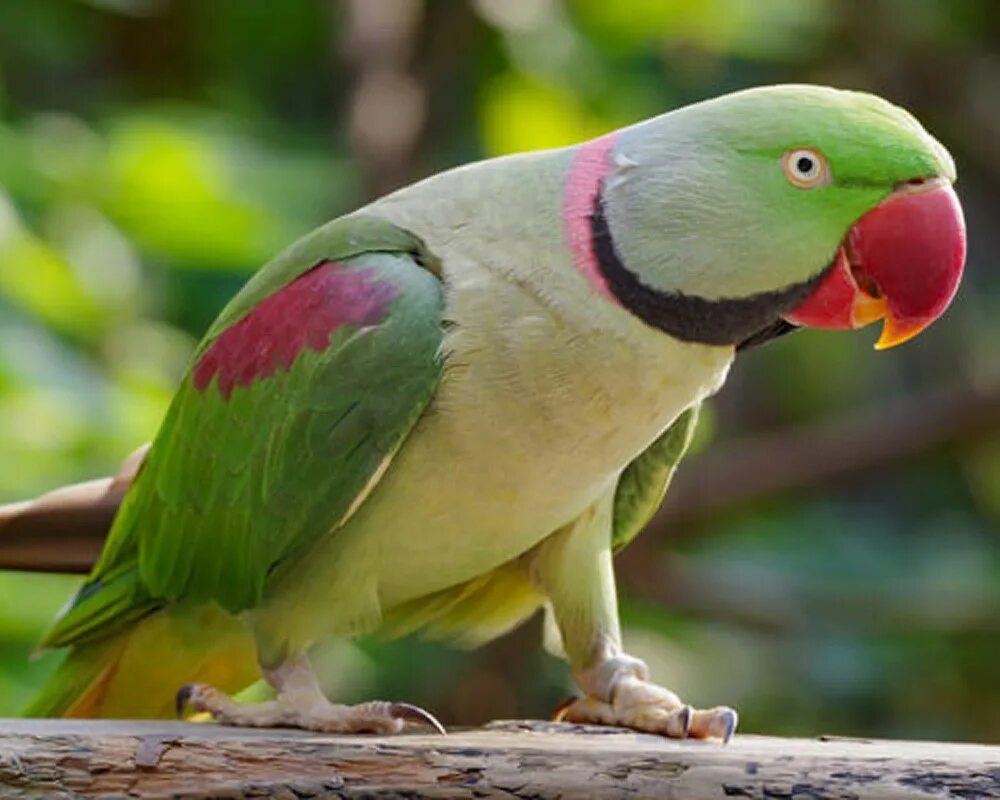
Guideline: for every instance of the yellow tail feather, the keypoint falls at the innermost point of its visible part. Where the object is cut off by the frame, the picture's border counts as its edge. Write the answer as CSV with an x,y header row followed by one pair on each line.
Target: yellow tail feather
x,y
136,673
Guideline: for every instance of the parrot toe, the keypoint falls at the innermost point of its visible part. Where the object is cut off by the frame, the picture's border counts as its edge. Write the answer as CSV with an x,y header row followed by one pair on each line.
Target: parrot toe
x,y
714,723
196,699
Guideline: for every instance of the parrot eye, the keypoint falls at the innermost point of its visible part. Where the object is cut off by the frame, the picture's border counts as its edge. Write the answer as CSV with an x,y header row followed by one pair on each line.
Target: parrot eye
x,y
805,169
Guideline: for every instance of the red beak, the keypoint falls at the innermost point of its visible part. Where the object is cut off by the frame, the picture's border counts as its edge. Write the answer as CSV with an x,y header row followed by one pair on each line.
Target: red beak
x,y
902,262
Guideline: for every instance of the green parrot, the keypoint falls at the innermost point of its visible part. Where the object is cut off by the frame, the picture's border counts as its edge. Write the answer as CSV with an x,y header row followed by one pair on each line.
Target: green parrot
x,y
450,408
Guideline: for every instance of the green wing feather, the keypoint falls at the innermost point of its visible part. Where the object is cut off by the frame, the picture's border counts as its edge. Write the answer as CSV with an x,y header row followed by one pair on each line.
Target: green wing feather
x,y
231,487
644,482
339,240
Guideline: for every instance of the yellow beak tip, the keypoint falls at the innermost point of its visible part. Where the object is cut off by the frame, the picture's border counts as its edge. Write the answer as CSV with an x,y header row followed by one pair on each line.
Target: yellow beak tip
x,y
894,333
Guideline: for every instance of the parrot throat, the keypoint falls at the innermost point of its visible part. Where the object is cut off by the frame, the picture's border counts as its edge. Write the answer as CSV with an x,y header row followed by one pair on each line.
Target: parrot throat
x,y
742,322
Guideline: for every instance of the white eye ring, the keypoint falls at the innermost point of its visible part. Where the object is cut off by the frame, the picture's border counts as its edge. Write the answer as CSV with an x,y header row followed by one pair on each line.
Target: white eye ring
x,y
805,168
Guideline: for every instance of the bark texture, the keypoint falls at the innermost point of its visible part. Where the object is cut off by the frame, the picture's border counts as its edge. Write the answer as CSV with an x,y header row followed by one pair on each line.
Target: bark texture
x,y
61,759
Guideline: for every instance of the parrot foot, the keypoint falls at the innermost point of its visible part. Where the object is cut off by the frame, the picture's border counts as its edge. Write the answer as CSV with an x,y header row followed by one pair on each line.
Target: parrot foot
x,y
376,716
634,702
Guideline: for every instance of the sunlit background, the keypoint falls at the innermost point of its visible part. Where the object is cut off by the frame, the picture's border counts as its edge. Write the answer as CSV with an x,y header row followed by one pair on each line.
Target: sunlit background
x,y
830,559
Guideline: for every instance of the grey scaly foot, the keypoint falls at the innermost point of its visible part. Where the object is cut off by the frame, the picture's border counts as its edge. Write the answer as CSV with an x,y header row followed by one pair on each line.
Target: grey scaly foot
x,y
632,701
376,716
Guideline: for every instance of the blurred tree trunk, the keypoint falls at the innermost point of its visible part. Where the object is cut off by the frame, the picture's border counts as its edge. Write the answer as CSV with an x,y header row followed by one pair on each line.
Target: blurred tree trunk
x,y
388,105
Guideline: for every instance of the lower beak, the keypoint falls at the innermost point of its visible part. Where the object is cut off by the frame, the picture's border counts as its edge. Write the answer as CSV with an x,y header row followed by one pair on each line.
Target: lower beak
x,y
901,262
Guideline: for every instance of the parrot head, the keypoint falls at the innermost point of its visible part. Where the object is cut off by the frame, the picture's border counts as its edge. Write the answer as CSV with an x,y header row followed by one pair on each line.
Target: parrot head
x,y
735,219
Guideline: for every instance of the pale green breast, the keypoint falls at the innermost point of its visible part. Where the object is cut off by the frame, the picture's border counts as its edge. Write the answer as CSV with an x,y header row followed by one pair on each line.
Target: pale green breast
x,y
533,421
549,391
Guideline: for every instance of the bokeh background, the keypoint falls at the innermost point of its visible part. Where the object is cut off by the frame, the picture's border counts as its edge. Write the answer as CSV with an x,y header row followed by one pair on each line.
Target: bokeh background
x,y
829,559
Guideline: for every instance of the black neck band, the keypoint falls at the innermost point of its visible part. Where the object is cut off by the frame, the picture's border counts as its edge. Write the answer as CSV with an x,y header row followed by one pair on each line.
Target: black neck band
x,y
743,322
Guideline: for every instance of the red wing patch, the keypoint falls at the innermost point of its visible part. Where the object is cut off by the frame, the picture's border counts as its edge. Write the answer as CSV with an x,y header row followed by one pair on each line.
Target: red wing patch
x,y
303,314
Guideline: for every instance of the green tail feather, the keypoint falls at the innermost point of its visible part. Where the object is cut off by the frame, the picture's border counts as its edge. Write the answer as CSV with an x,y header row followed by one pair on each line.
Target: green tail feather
x,y
100,608
79,671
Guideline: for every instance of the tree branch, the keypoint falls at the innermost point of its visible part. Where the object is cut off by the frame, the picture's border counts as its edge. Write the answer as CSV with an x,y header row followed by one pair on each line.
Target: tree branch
x,y
812,455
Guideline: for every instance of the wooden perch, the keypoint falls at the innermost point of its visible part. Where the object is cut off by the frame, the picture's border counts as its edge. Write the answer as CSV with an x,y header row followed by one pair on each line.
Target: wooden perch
x,y
46,758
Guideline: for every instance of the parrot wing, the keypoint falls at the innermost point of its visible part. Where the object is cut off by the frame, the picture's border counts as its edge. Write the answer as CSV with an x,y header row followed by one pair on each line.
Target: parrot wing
x,y
294,405
644,481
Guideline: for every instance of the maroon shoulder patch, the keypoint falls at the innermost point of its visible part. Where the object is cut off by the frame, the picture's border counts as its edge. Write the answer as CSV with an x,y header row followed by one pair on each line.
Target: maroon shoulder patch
x,y
302,315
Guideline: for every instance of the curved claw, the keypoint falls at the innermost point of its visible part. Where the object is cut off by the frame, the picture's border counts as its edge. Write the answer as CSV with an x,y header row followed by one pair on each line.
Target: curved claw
x,y
686,715
182,697
560,710
411,713
728,720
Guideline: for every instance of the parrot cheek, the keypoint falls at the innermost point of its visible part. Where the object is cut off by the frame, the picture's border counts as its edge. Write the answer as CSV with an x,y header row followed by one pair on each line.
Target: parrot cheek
x,y
832,304
901,262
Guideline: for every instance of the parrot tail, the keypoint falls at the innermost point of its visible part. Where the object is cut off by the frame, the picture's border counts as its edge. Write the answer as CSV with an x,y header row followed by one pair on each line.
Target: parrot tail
x,y
136,671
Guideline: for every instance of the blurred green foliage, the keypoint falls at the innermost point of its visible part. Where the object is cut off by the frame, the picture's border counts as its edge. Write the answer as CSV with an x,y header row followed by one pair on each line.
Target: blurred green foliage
x,y
155,152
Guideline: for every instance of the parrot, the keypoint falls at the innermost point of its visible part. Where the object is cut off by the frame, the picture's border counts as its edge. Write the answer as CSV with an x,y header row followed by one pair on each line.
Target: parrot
x,y
449,409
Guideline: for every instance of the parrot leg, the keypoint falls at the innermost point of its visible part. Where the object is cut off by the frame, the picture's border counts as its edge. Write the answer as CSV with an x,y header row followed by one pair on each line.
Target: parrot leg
x,y
573,567
300,703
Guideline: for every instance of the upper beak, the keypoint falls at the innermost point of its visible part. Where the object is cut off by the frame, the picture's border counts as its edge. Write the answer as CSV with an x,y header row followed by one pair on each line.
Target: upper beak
x,y
901,262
